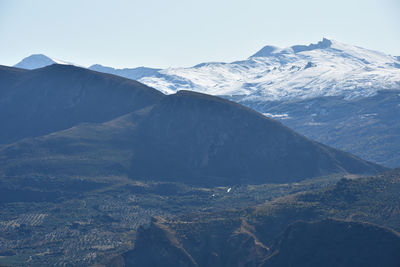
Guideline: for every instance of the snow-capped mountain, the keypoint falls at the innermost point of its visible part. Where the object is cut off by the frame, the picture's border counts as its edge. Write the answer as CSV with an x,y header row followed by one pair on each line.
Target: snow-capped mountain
x,y
38,61
328,68
334,93
342,95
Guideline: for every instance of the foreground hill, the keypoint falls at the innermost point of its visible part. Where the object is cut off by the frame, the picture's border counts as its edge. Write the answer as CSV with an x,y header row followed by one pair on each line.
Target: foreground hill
x,y
334,231
321,243
195,136
188,137
213,226
57,97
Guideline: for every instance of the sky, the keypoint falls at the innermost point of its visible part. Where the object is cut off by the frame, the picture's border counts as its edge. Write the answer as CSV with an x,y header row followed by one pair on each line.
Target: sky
x,y
183,33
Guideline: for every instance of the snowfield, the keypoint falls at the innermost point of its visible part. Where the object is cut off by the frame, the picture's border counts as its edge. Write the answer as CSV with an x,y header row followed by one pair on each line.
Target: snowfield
x,y
328,68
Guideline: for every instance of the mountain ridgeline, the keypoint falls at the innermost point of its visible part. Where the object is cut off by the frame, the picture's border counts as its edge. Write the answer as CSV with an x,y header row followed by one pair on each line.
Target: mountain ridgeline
x,y
202,137
97,169
312,244
344,224
338,94
57,97
187,137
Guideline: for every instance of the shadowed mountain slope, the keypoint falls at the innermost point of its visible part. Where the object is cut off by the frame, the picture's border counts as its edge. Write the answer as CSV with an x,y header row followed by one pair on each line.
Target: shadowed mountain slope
x,y
366,127
8,77
192,135
322,243
336,243
338,94
57,97
187,137
165,249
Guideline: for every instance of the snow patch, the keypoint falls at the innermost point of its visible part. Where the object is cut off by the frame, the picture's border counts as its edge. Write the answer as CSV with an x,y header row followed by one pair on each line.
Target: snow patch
x,y
323,69
277,116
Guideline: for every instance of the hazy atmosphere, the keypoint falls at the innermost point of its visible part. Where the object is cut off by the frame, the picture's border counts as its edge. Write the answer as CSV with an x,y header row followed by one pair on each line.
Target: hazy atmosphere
x,y
200,133
179,33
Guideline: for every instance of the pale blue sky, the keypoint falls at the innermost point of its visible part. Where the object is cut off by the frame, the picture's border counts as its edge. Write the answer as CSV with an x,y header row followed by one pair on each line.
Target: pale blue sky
x,y
162,33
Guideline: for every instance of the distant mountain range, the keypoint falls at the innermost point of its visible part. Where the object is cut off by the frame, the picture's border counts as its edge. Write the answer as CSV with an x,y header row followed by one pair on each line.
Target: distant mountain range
x,y
101,170
307,87
328,68
37,61
121,127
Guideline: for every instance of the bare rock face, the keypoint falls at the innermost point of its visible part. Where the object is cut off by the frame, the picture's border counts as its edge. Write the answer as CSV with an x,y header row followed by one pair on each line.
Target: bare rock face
x,y
157,246
322,243
217,244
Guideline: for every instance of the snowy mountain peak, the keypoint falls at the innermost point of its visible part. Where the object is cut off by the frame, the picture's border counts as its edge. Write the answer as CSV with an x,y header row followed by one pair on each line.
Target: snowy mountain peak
x,y
325,43
269,50
325,68
38,61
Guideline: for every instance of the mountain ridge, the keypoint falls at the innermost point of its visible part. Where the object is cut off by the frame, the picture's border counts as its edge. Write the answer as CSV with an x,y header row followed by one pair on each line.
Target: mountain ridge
x,y
290,85
269,49
327,68
121,127
341,224
36,61
57,97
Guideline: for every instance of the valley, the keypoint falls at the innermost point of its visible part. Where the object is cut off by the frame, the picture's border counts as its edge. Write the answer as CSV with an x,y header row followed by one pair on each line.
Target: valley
x,y
59,225
287,158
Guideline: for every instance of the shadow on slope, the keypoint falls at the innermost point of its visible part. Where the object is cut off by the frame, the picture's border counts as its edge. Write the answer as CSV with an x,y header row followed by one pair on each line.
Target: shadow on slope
x,y
57,97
